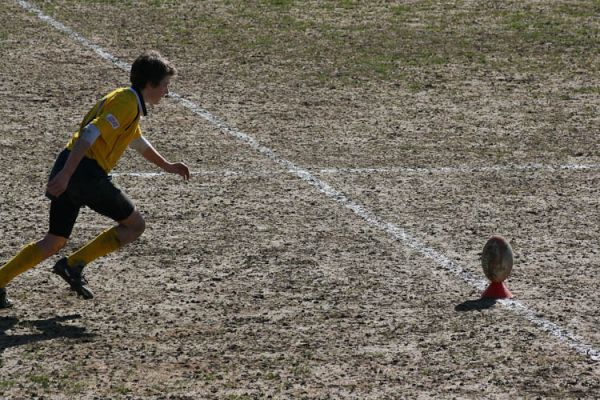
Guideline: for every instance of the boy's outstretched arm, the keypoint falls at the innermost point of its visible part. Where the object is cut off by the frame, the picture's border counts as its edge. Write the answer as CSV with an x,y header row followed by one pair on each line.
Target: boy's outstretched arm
x,y
142,146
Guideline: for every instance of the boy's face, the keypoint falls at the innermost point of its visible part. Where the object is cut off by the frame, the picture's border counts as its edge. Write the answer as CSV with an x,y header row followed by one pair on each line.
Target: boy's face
x,y
153,95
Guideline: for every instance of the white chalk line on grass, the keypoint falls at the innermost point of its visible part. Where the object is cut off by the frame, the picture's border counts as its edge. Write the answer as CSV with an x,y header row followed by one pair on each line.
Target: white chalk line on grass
x,y
393,170
219,174
396,232
463,169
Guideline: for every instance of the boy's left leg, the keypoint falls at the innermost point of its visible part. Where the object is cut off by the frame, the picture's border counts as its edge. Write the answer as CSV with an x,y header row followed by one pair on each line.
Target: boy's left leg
x,y
106,199
71,268
110,240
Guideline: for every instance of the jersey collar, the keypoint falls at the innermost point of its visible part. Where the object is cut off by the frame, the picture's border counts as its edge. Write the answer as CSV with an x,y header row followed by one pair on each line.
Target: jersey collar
x,y
140,99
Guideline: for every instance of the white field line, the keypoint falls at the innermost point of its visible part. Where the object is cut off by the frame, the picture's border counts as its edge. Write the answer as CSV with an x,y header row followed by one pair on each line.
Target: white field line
x,y
463,169
396,232
392,170
220,174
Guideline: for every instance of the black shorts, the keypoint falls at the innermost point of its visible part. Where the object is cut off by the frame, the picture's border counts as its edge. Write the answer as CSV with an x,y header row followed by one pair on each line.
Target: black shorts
x,y
89,186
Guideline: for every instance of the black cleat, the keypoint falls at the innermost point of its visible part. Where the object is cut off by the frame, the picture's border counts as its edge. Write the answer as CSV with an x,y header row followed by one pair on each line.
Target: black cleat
x,y
74,277
4,300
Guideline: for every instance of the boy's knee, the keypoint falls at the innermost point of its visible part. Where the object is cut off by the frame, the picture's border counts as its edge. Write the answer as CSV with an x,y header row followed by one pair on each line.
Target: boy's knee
x,y
136,224
140,226
57,246
51,245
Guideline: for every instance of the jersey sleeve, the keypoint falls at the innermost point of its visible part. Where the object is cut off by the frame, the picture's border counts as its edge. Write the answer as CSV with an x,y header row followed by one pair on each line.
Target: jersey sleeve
x,y
138,133
115,117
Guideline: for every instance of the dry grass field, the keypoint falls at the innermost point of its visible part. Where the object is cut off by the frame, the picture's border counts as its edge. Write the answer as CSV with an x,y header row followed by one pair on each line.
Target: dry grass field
x,y
350,159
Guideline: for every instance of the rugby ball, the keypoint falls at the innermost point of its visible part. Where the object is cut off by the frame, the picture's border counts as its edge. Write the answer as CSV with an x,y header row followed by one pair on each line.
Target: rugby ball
x,y
497,259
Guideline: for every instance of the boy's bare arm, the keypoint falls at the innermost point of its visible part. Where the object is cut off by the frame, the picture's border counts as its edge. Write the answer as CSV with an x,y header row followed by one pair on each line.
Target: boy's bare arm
x,y
59,183
151,154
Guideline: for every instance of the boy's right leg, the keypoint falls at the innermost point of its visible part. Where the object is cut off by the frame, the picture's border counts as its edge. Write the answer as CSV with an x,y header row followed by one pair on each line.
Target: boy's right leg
x,y
30,256
27,258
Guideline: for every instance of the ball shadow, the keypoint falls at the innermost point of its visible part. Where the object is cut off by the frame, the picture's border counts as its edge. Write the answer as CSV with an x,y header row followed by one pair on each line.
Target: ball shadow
x,y
476,305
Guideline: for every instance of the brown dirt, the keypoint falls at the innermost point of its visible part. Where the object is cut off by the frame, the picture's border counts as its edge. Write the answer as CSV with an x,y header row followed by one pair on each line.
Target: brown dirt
x,y
254,284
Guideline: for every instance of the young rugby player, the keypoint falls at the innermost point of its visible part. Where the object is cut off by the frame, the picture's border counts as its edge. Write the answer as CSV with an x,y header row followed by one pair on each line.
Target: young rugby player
x,y
80,177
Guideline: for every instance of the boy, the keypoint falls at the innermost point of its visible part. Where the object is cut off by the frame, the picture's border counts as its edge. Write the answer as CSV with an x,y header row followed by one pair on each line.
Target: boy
x,y
80,177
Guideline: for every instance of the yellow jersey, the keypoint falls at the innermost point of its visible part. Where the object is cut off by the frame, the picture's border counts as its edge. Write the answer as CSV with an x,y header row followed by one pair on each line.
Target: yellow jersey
x,y
117,118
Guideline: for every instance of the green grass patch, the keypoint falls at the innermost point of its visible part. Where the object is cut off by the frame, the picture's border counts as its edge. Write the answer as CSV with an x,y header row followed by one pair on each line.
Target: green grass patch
x,y
41,380
113,2
400,10
587,90
7,384
121,389
278,3
344,42
347,4
272,376
238,397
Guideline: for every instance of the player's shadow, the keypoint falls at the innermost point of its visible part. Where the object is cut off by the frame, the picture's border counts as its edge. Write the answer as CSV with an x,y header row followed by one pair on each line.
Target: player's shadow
x,y
476,305
50,328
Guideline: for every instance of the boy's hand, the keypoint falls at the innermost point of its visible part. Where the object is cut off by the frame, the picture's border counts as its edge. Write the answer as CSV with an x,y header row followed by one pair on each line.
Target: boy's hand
x,y
58,184
179,169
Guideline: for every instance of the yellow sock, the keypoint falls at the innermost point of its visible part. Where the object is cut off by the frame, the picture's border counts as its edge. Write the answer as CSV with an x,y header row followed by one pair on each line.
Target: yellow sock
x,y
27,258
105,243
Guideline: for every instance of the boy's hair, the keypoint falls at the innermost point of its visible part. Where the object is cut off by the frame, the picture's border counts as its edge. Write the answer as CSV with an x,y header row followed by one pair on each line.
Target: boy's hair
x,y
150,67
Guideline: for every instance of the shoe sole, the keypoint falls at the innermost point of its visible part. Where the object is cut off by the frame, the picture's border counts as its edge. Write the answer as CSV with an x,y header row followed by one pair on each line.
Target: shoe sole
x,y
7,304
79,289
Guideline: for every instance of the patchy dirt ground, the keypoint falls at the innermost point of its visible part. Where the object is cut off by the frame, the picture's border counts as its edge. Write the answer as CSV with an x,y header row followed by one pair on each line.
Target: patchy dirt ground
x,y
249,282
